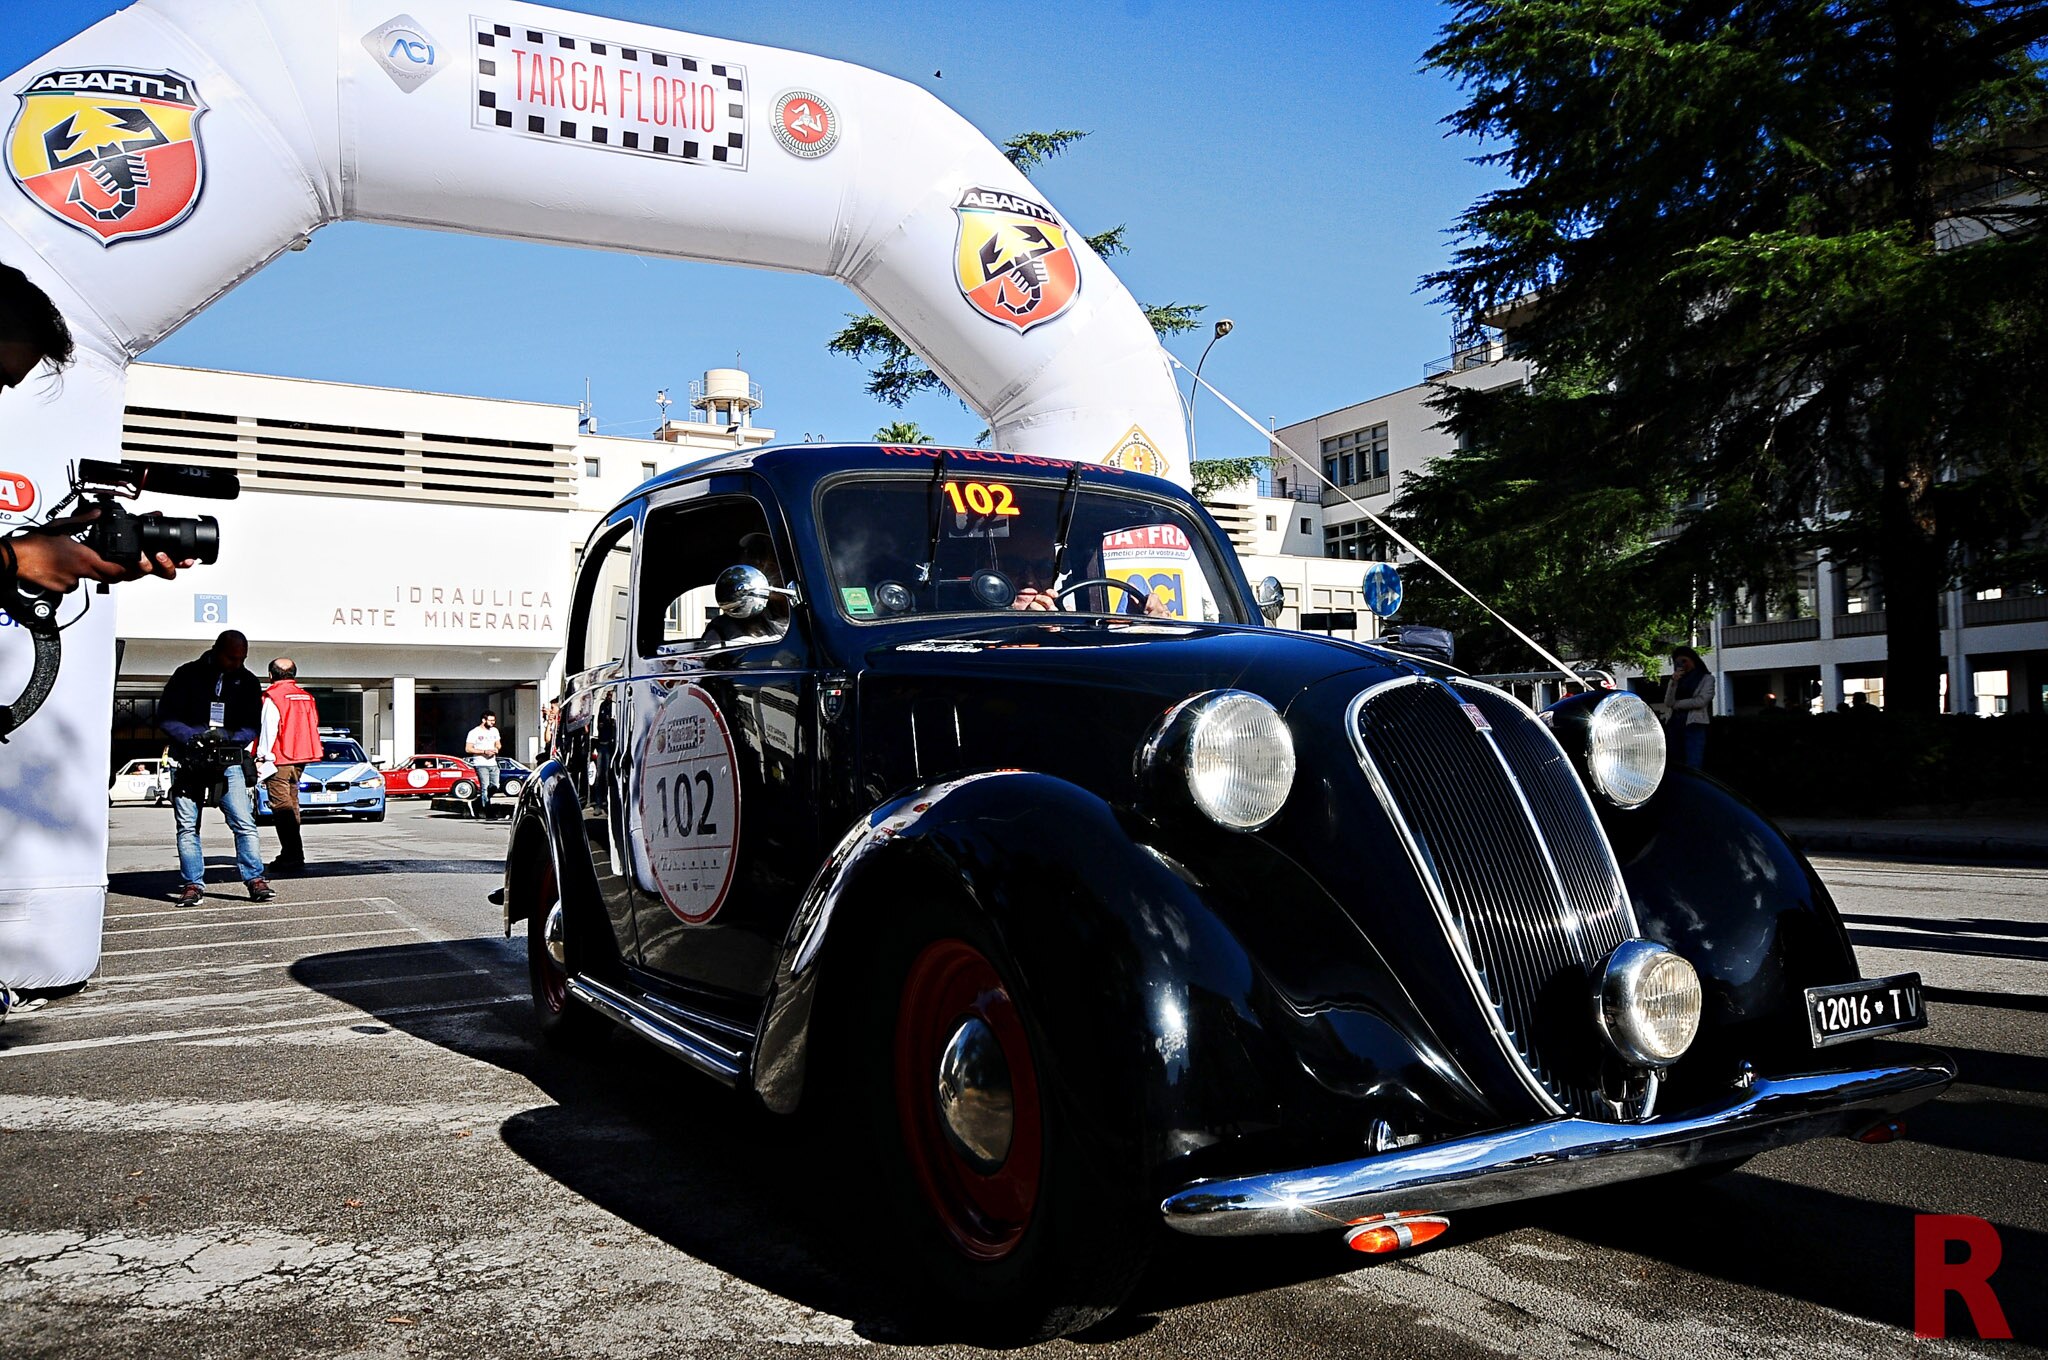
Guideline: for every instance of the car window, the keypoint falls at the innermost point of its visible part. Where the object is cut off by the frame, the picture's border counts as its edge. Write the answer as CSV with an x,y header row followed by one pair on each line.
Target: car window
x,y
597,629
344,751
684,550
972,543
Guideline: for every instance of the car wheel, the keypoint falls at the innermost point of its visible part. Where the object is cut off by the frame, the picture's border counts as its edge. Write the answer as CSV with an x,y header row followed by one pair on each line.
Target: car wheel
x,y
1019,1220
563,1020
513,786
376,816
155,797
464,789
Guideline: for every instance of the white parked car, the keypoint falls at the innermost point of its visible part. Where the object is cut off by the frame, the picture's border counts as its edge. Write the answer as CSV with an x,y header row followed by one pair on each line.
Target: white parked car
x,y
143,781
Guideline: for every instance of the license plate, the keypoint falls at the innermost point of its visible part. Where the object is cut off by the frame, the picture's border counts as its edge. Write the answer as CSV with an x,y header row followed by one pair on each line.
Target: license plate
x,y
1856,1010
322,797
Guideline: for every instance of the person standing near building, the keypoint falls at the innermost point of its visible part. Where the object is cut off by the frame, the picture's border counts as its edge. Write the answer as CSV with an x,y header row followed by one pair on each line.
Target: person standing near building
x,y
482,746
211,710
289,742
1688,707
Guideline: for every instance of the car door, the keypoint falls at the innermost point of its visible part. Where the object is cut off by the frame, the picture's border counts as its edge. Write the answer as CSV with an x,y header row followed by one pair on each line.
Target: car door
x,y
594,716
723,808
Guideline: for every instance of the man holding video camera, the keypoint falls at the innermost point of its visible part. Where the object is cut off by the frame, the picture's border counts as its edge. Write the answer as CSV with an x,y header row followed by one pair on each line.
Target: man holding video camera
x,y
212,709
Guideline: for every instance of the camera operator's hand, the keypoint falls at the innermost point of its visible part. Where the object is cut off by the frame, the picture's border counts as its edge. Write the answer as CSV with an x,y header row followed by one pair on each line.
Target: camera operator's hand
x,y
49,557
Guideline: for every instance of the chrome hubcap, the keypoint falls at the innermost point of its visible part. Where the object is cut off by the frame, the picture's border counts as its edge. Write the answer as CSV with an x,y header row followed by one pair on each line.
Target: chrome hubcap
x,y
976,1108
551,931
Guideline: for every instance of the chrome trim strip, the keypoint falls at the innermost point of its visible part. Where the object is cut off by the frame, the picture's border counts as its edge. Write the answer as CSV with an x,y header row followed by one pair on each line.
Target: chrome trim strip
x,y
1433,885
1628,906
1556,1156
699,1051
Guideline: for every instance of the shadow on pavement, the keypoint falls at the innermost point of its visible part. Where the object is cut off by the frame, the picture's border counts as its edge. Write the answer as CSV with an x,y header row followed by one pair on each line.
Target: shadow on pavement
x,y
221,880
756,1195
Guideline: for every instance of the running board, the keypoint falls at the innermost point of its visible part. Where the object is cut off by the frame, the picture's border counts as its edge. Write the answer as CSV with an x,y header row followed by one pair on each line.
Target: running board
x,y
665,1028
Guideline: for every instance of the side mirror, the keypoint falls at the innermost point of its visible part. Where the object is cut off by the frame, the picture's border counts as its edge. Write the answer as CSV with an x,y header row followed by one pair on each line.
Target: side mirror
x,y
743,592
1271,596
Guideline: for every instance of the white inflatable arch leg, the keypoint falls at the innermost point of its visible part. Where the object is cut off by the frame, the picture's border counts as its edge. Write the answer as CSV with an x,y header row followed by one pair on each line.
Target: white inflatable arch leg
x,y
262,120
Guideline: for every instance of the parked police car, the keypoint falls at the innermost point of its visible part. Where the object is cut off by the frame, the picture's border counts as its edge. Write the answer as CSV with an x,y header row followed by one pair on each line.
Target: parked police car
x,y
968,795
343,780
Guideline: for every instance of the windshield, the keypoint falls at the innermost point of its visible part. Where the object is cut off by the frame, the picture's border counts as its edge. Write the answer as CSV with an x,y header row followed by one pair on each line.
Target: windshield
x,y
341,752
972,544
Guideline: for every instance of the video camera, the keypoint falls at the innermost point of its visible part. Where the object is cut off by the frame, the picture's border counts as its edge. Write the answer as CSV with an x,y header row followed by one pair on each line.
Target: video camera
x,y
118,535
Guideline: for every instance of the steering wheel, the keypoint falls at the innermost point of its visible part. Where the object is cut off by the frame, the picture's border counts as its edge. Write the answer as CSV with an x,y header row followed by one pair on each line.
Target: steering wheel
x,y
1140,596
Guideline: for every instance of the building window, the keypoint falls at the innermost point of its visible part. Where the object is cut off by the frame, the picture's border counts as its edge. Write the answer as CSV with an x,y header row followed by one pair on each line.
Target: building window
x,y
1272,523
1304,525
591,468
647,471
1359,456
1356,541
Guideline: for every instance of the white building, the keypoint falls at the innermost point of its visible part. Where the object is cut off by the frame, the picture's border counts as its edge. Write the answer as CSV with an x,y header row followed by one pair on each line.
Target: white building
x,y
410,550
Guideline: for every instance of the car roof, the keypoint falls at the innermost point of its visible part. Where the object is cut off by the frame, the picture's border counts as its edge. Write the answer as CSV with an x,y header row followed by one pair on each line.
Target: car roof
x,y
796,463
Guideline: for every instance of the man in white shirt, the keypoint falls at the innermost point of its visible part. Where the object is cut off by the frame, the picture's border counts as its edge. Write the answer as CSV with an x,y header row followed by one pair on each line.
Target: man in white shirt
x,y
482,746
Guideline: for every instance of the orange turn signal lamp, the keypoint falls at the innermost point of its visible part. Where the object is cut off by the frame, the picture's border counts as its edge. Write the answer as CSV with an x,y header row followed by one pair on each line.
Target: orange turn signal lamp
x,y
1385,1233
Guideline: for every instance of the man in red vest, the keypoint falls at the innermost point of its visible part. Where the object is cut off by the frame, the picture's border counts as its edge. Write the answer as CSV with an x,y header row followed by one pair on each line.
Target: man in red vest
x,y
290,741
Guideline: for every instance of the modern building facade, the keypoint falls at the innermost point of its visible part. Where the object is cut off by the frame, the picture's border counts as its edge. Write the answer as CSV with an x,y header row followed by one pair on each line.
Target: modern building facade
x,y
410,550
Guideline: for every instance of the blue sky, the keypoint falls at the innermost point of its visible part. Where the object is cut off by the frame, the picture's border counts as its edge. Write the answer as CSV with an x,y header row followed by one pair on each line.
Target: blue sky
x,y
1283,164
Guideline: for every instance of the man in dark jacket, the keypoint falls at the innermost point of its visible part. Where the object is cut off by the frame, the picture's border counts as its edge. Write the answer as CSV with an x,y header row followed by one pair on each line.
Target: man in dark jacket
x,y
211,710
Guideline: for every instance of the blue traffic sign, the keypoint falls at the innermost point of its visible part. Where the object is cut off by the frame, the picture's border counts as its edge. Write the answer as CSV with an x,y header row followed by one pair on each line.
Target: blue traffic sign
x,y
1383,589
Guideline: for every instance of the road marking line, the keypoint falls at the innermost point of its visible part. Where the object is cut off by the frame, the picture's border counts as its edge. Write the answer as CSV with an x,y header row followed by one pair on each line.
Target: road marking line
x,y
230,944
74,1114
210,1031
244,969
263,921
237,906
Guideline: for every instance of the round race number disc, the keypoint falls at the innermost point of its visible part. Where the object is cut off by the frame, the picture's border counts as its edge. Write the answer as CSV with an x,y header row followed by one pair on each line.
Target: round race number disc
x,y
689,804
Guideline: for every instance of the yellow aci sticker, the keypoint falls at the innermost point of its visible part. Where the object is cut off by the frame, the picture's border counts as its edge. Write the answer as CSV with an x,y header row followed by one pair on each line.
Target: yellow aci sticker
x,y
1135,452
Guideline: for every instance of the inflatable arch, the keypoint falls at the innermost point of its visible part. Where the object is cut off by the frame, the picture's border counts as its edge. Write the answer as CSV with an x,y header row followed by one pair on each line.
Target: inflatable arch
x,y
168,152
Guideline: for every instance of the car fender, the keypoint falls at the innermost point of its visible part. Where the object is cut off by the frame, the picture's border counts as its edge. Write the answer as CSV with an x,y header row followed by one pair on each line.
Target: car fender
x,y
548,813
1184,1035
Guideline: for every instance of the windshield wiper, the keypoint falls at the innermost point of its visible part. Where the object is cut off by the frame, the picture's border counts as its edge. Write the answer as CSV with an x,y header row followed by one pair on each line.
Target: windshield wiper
x,y
934,515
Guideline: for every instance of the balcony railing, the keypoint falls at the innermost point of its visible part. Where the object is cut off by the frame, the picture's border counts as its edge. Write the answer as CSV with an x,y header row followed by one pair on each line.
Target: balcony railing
x,y
1472,356
2007,609
1779,630
1373,486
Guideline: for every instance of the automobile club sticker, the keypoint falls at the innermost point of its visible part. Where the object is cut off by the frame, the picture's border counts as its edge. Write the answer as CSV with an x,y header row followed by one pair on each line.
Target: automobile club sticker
x,y
111,151
1012,260
806,125
689,804
1134,451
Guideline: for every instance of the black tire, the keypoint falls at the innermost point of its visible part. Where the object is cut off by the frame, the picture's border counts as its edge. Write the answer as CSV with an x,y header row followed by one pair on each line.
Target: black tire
x,y
966,1273
155,797
563,1020
376,816
465,789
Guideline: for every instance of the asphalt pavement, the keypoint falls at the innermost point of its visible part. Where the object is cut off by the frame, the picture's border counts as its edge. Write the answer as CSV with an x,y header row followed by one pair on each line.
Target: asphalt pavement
x,y
321,1126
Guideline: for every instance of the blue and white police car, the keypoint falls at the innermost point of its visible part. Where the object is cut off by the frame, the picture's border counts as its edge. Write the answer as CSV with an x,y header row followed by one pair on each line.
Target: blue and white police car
x,y
342,780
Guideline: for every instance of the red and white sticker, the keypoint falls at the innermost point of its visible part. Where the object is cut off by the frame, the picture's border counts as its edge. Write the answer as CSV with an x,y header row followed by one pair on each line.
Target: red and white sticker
x,y
689,804
17,495
806,125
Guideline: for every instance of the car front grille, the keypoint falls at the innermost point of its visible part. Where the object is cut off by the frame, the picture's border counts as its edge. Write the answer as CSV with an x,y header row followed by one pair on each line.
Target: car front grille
x,y
1521,874
339,786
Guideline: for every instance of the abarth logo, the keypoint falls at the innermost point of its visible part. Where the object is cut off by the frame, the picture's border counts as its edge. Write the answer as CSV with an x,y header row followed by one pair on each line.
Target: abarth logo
x,y
1012,260
111,151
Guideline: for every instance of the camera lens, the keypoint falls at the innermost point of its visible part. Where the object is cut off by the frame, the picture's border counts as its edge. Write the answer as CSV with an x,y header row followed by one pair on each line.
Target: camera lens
x,y
180,539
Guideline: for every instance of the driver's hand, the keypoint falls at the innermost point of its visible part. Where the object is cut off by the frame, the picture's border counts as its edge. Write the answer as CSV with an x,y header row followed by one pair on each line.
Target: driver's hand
x,y
1156,606
1043,600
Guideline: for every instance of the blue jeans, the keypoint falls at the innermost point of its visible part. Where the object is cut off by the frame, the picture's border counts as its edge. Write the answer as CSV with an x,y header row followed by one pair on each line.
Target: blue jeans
x,y
237,806
1695,747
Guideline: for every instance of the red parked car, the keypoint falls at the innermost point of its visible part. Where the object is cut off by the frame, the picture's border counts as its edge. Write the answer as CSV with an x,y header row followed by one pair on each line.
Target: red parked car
x,y
431,777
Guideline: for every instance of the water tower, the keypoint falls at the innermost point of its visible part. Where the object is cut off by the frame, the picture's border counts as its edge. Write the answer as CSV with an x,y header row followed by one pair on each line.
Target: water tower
x,y
727,398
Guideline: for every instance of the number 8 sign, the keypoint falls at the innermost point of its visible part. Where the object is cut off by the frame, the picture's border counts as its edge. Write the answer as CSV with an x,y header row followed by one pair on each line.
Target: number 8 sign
x,y
689,804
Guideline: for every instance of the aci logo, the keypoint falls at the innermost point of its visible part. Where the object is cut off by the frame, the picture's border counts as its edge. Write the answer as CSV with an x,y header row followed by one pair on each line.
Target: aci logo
x,y
406,51
17,495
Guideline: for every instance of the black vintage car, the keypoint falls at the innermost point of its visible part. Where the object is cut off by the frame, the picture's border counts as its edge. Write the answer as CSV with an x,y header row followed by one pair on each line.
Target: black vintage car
x,y
968,797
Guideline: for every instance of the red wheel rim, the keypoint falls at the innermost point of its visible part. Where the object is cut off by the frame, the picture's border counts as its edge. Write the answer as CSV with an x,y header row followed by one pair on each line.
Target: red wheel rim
x,y
550,979
984,1213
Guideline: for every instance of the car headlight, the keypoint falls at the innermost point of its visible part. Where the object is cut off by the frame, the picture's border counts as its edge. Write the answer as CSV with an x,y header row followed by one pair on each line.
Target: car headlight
x,y
373,782
1232,754
1625,749
1649,1003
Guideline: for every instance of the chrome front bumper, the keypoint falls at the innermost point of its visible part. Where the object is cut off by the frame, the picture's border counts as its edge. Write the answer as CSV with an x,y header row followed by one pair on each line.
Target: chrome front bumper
x,y
1557,1156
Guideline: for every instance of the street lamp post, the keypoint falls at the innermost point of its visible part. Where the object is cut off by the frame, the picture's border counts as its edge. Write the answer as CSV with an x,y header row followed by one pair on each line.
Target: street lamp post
x,y
1223,328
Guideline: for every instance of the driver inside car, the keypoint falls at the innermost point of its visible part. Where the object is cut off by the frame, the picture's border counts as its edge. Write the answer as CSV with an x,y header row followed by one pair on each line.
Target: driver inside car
x,y
1033,567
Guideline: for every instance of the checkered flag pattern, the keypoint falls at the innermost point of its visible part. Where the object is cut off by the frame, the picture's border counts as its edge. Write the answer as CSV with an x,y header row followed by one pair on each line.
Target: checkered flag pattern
x,y
563,88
